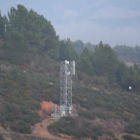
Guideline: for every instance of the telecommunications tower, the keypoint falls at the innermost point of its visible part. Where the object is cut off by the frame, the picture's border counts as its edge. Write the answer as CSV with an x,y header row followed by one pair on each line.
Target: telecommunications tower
x,y
66,73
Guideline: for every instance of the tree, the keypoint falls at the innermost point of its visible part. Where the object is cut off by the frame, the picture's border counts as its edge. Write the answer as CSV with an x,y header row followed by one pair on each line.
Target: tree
x,y
16,46
128,76
1,43
78,46
105,60
66,51
90,46
28,32
85,63
3,21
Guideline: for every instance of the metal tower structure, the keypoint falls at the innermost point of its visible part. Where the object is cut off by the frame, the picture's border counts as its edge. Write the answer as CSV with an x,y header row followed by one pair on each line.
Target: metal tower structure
x,y
66,73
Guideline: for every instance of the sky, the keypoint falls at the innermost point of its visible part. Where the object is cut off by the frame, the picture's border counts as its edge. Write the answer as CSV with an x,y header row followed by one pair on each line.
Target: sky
x,y
116,22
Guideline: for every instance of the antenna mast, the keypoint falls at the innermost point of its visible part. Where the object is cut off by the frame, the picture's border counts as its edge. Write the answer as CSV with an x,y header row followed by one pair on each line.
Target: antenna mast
x,y
66,73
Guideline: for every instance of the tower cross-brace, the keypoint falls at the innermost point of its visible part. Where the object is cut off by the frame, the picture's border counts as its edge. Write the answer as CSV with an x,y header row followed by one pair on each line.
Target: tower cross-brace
x,y
66,73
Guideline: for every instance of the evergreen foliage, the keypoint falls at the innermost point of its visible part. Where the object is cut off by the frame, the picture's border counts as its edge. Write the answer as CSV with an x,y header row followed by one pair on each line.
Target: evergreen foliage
x,y
3,21
128,54
67,51
77,128
129,137
105,60
30,54
78,46
26,31
85,63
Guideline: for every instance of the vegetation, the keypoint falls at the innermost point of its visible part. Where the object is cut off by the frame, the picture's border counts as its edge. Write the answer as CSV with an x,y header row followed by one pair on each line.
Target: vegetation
x,y
1,137
104,62
133,128
30,54
77,128
23,44
128,137
78,46
128,54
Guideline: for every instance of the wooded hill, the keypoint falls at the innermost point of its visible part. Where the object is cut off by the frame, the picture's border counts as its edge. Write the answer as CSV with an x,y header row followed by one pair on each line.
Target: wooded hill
x,y
30,55
127,54
130,55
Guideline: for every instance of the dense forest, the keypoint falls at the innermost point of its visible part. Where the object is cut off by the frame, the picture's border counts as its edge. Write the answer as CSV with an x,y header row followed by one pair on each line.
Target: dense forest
x,y
127,54
30,55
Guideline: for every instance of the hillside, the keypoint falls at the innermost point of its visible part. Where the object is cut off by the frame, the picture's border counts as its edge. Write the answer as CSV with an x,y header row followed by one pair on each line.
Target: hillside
x,y
79,46
128,54
30,58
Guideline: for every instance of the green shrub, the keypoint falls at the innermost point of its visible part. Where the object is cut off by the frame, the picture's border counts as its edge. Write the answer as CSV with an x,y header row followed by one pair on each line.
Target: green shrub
x,y
21,127
133,128
1,137
129,137
77,127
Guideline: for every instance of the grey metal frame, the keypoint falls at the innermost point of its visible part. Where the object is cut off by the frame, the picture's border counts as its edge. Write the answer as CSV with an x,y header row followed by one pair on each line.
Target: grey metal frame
x,y
66,73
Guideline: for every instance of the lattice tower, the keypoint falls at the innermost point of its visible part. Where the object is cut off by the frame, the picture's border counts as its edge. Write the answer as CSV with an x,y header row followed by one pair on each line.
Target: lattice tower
x,y
66,73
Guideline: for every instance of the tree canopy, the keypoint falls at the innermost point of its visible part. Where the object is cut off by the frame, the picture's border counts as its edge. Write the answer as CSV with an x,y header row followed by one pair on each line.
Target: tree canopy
x,y
30,55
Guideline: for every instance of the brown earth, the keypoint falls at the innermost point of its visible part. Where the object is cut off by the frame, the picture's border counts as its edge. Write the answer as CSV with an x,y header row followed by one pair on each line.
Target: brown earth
x,y
17,136
40,132
40,129
47,107
119,136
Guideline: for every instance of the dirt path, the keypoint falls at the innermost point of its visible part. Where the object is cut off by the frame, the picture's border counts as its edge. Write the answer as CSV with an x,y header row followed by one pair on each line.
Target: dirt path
x,y
40,129
121,135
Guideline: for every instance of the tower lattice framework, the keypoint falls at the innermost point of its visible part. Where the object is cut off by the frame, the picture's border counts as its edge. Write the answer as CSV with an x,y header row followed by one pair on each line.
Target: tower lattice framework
x,y
66,72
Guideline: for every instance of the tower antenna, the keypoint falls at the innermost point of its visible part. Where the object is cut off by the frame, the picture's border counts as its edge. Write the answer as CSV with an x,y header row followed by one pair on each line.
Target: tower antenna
x,y
66,73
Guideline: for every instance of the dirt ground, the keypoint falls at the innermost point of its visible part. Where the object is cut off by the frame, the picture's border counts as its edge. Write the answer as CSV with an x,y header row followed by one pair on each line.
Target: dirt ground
x,y
41,129
121,135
